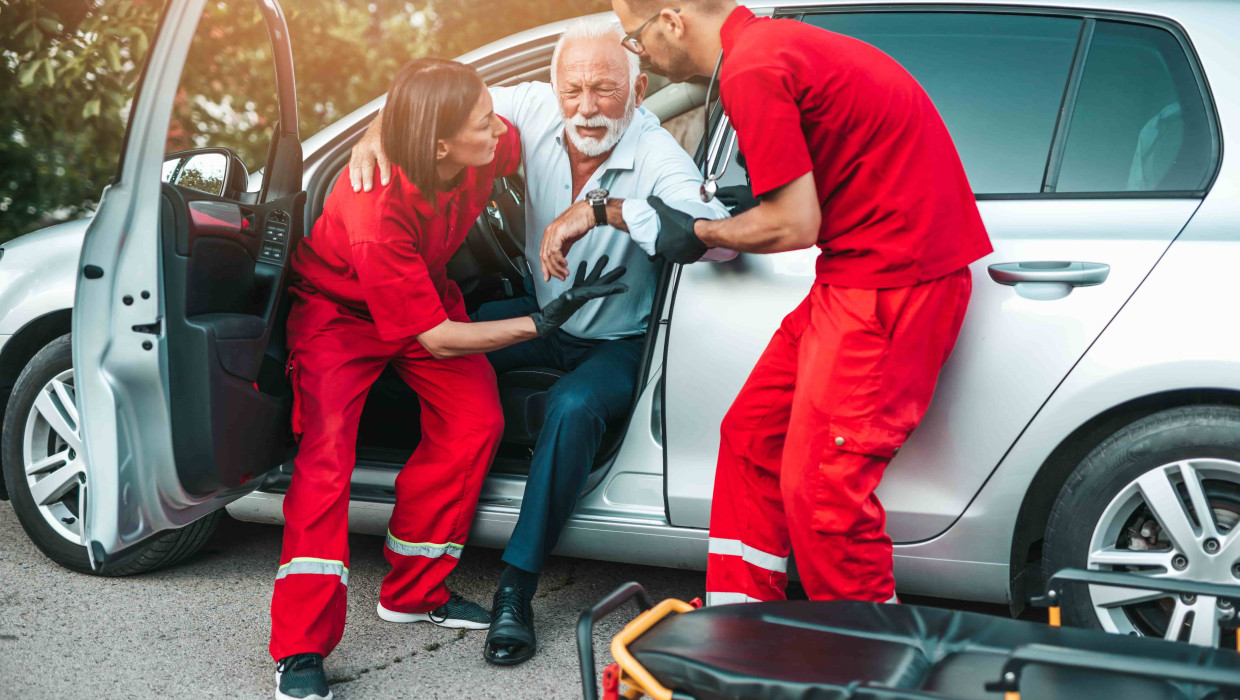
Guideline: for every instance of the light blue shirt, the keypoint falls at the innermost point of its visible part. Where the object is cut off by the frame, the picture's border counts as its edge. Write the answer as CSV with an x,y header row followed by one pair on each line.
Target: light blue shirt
x,y
646,161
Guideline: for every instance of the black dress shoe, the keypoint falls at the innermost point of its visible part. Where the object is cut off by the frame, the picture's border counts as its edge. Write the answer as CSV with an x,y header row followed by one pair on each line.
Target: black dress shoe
x,y
510,640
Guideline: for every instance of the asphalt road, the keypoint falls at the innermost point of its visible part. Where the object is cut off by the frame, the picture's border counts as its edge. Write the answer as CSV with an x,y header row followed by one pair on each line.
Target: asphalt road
x,y
200,629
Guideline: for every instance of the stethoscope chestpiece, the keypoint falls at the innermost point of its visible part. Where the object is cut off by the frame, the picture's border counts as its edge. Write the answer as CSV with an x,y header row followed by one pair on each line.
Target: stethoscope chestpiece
x,y
710,188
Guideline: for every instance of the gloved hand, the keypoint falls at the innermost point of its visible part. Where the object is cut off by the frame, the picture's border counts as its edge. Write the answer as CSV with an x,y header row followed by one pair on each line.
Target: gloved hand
x,y
584,288
737,198
676,242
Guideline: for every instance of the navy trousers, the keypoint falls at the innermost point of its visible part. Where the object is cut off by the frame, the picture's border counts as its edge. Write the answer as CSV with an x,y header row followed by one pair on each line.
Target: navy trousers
x,y
596,393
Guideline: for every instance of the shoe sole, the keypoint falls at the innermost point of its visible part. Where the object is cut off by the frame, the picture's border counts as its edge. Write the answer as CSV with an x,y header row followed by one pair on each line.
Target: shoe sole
x,y
282,696
403,618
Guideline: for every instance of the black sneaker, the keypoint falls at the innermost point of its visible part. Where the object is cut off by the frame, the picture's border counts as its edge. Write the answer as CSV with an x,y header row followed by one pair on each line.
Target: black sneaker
x,y
457,613
511,640
300,677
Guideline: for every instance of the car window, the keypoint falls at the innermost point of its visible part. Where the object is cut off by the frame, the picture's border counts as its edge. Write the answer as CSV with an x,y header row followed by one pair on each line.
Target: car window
x,y
1139,124
997,80
227,94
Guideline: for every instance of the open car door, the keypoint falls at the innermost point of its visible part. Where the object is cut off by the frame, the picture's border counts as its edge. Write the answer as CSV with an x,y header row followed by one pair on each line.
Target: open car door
x,y
182,404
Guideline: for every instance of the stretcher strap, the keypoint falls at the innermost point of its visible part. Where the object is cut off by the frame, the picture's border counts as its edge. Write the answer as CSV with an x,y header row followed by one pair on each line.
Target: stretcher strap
x,y
431,550
312,565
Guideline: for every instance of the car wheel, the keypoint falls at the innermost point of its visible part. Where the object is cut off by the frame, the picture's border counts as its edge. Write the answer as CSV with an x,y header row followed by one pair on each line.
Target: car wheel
x,y
1161,498
44,470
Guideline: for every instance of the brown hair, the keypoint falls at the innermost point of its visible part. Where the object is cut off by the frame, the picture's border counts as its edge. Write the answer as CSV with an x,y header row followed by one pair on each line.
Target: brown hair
x,y
429,100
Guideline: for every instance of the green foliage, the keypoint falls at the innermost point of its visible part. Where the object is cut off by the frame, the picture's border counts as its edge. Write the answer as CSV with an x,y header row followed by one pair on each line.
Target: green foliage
x,y
68,70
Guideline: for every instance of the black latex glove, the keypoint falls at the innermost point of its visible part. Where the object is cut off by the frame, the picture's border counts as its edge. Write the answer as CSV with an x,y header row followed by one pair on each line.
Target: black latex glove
x,y
676,242
737,198
585,287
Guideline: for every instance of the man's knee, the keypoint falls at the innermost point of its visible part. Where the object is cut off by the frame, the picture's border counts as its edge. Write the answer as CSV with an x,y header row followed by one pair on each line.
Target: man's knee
x,y
572,401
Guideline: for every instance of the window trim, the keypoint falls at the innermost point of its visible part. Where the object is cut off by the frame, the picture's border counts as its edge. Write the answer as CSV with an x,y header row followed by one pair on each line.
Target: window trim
x,y
1059,137
1067,106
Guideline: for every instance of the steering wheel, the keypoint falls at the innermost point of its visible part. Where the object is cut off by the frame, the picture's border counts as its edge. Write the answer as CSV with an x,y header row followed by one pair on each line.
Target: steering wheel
x,y
502,225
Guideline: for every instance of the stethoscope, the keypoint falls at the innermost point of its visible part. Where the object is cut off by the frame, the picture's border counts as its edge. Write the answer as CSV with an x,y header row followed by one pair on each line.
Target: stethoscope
x,y
710,185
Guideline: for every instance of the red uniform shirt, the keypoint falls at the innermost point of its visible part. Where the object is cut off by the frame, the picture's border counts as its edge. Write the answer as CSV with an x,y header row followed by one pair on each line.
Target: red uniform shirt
x,y
897,209
383,254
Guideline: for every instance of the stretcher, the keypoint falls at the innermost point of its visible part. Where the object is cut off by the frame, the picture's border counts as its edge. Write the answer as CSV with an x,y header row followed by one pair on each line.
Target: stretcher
x,y
837,650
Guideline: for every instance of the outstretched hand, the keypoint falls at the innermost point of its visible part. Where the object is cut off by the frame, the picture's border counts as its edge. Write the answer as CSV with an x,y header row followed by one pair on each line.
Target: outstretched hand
x,y
559,237
367,153
586,287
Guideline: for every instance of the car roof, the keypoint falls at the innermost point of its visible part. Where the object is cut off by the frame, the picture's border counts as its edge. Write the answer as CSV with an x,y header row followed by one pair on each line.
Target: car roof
x,y
1203,12
1209,24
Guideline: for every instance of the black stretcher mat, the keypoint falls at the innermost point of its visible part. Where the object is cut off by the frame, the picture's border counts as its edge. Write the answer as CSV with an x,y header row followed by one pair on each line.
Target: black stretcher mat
x,y
803,650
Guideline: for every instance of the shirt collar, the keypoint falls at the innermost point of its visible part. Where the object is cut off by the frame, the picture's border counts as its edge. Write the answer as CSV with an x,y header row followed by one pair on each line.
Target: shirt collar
x,y
733,25
624,154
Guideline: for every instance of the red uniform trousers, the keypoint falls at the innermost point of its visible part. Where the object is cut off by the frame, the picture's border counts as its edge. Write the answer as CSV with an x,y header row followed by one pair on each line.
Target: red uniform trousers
x,y
335,357
845,379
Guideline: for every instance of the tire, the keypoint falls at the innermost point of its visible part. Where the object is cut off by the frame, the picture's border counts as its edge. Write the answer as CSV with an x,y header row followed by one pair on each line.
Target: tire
x,y
53,526
1128,507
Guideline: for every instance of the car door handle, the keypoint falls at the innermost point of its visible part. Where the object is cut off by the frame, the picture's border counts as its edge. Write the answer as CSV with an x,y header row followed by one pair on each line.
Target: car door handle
x,y
1075,274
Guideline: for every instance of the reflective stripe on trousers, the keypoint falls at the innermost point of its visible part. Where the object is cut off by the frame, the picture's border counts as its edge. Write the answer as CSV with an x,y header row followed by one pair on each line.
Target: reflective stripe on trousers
x,y
750,554
311,565
422,549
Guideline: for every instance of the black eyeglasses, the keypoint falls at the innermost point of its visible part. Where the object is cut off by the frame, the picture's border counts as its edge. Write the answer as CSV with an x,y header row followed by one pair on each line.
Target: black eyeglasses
x,y
632,41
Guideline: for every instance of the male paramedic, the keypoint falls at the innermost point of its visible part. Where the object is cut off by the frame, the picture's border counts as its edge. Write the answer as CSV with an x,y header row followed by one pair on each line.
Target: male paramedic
x,y
844,150
592,156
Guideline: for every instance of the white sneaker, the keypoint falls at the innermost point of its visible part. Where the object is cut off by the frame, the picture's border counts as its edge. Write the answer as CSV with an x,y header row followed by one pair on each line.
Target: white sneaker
x,y
457,613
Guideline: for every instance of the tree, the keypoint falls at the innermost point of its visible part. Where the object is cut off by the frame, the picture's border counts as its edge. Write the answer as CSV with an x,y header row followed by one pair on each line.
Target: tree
x,y
70,68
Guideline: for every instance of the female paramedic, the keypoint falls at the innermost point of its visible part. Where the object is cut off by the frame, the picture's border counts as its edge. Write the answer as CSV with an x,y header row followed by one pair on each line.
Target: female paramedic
x,y
370,288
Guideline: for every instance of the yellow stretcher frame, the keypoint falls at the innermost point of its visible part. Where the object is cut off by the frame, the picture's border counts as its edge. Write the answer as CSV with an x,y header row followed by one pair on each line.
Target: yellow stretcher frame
x,y
632,673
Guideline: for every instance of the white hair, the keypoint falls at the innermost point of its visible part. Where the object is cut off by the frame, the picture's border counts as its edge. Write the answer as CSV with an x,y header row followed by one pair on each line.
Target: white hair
x,y
595,28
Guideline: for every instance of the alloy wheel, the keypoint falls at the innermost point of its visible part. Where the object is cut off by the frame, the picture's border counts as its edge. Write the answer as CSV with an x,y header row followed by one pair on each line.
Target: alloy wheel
x,y
1177,521
55,466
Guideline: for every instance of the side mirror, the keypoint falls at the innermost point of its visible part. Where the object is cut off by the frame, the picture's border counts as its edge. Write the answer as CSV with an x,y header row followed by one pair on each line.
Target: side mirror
x,y
216,171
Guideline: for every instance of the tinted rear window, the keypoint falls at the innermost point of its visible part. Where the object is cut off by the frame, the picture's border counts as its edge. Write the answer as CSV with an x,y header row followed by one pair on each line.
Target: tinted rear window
x,y
1140,123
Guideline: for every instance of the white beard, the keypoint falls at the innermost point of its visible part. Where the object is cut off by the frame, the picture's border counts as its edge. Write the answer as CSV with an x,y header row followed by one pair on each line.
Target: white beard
x,y
590,146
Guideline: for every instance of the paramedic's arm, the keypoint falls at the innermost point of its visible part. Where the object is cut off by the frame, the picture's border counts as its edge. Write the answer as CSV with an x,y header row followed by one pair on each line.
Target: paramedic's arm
x,y
453,338
787,219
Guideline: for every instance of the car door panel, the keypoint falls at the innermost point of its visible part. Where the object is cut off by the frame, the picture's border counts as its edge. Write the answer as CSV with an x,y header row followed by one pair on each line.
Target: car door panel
x,y
224,276
1014,350
980,405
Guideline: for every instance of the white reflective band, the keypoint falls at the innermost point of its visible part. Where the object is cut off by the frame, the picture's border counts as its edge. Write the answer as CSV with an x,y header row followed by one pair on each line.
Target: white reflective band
x,y
729,598
310,565
423,549
893,599
752,555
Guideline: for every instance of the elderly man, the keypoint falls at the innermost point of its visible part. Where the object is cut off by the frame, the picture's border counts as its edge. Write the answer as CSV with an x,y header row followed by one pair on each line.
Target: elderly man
x,y
592,157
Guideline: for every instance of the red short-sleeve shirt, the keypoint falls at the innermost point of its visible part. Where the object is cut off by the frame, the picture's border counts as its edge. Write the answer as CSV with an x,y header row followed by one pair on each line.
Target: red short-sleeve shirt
x,y
897,209
383,254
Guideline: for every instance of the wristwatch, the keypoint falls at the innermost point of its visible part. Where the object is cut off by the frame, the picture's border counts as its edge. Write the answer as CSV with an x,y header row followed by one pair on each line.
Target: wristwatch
x,y
597,199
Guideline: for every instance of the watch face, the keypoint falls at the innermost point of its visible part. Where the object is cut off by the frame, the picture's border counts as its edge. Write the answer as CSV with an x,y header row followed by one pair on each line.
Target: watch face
x,y
596,195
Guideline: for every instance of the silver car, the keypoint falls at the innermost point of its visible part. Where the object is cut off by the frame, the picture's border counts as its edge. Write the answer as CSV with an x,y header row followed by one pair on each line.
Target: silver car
x,y
1089,416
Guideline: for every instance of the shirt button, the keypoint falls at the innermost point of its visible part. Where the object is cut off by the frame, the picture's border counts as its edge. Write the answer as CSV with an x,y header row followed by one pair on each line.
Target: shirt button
x,y
839,441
